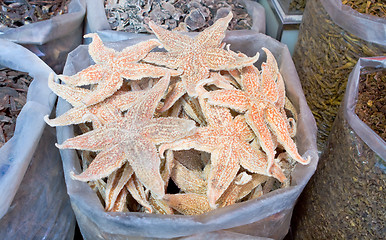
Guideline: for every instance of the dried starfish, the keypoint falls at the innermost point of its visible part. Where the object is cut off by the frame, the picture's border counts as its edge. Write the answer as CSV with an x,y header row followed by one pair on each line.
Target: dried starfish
x,y
195,56
99,114
258,101
227,140
188,203
132,139
112,66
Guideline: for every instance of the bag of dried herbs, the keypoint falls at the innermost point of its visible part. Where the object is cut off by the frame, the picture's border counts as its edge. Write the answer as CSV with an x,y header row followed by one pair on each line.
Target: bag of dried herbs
x,y
331,39
50,29
345,197
188,16
160,158
31,173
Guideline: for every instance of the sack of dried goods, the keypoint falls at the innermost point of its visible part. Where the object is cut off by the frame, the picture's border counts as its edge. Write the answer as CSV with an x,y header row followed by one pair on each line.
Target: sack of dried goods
x,y
31,173
180,136
50,29
184,15
332,37
348,186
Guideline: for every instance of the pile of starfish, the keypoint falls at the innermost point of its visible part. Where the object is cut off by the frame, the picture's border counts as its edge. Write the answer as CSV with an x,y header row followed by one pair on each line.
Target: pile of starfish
x,y
182,131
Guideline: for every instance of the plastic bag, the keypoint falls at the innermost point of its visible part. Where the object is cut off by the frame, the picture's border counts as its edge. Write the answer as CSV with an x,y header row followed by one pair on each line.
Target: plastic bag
x,y
332,37
54,38
41,208
268,216
96,19
348,186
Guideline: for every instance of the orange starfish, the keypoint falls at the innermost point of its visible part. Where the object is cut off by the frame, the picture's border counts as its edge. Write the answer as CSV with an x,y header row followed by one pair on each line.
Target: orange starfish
x,y
195,56
100,113
260,100
112,66
133,139
227,140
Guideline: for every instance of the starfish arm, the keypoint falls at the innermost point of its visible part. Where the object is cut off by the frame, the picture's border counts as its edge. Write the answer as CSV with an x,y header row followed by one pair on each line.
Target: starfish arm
x,y
235,99
91,75
137,191
143,158
160,206
214,115
243,130
120,204
280,103
73,116
213,35
73,95
168,59
269,76
218,59
188,203
103,165
225,166
137,71
176,91
171,41
104,89
187,180
251,80
137,52
115,182
193,75
162,130
279,126
98,51
238,63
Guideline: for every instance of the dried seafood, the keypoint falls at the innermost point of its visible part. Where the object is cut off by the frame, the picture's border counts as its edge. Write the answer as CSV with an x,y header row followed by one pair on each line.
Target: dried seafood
x,y
186,155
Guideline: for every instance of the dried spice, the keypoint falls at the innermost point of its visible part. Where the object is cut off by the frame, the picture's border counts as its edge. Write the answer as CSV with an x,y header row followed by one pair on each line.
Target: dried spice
x,y
371,105
133,16
372,7
297,5
345,197
324,56
13,96
14,13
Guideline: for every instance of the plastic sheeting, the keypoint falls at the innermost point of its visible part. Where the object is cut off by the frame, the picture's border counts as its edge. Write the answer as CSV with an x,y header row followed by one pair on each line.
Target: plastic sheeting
x,y
54,38
268,216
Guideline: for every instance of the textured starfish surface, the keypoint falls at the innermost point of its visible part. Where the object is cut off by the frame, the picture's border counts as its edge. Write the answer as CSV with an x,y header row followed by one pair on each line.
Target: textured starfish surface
x,y
132,139
112,66
195,56
262,101
227,139
106,111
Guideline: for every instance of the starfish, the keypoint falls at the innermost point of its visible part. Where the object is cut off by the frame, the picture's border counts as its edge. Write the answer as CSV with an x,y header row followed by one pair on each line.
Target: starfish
x,y
112,66
99,114
195,56
132,139
261,101
227,140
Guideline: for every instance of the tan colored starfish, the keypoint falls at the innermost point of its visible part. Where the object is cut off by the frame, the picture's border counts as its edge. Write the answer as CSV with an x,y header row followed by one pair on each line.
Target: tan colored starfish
x,y
112,66
227,140
259,100
195,56
99,114
133,139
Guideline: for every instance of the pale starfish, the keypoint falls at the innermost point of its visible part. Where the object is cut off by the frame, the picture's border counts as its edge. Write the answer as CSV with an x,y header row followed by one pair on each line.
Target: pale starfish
x,y
99,114
227,140
112,66
195,56
258,101
132,139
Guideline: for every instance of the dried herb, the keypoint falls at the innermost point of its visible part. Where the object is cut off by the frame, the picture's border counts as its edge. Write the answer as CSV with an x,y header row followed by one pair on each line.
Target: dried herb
x,y
13,96
133,15
372,7
345,197
371,105
15,13
324,56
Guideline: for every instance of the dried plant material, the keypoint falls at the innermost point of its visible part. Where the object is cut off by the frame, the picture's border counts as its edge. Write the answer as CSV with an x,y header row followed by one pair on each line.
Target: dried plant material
x,y
15,13
182,15
13,95
372,7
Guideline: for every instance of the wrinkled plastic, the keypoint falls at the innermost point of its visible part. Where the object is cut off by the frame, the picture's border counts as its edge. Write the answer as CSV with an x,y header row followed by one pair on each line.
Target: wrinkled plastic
x,y
54,38
96,19
348,186
16,154
268,216
41,208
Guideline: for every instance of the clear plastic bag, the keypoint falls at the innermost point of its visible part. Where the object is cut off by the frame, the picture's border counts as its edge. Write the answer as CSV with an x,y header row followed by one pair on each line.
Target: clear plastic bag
x,y
348,186
268,216
54,38
332,37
